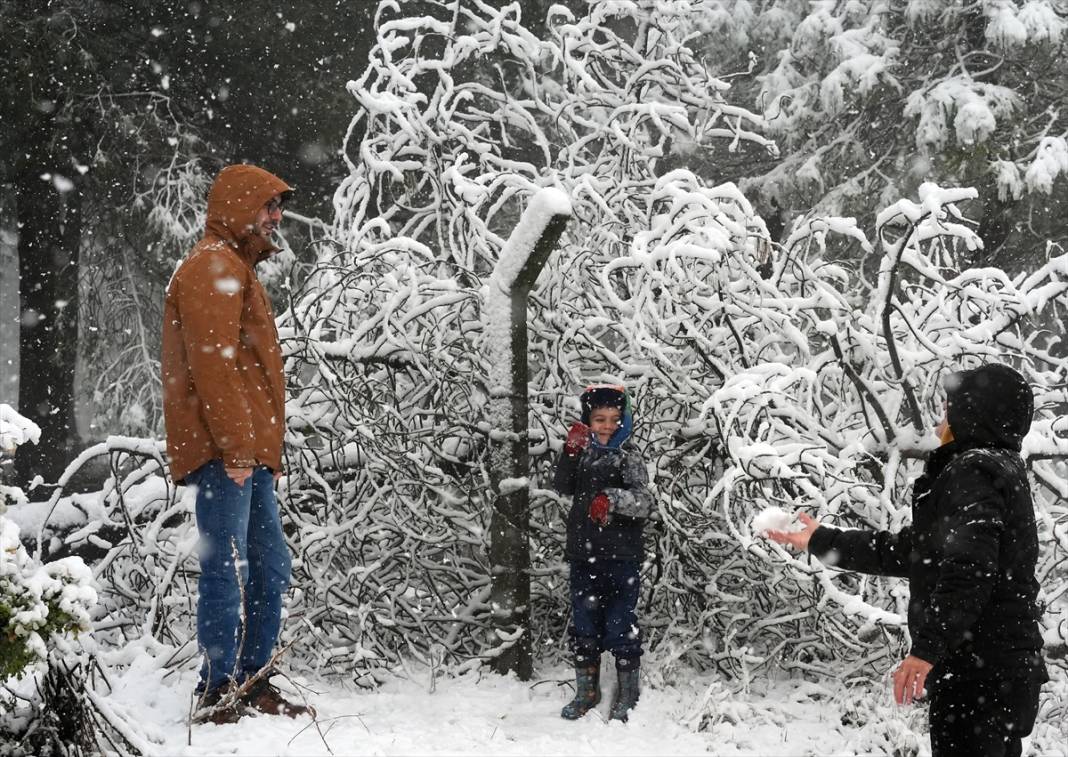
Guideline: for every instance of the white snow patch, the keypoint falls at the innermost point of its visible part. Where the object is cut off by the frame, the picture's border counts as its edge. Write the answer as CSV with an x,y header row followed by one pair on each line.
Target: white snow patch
x,y
497,307
227,285
1051,160
62,183
693,714
16,429
509,485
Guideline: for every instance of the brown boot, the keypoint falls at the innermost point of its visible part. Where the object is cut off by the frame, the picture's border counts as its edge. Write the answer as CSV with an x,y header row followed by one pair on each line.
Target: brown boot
x,y
266,697
218,706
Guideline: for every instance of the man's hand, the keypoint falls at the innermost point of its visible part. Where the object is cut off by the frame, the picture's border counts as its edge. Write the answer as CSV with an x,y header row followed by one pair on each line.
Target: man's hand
x,y
797,539
909,679
577,439
239,475
599,509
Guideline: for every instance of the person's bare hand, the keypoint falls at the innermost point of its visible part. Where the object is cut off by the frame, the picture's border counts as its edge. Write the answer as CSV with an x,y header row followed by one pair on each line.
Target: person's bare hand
x,y
239,475
277,476
909,679
797,539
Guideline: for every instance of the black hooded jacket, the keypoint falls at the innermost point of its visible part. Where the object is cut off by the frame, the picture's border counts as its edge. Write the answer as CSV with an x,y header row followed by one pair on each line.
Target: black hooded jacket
x,y
971,550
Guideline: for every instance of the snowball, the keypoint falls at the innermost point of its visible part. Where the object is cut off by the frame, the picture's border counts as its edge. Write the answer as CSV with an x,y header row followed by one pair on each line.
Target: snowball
x,y
776,519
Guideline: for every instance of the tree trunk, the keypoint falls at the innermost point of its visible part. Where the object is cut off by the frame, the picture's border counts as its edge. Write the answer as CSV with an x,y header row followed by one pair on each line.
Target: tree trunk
x,y
49,226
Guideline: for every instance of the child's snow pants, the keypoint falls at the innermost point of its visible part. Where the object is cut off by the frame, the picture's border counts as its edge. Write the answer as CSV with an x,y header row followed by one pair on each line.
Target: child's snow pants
x,y
604,598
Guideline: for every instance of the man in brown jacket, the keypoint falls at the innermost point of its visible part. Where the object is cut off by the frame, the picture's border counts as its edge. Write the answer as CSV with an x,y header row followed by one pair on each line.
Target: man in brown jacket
x,y
224,407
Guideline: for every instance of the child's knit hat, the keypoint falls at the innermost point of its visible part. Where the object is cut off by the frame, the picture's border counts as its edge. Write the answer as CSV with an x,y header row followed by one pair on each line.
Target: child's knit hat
x,y
602,395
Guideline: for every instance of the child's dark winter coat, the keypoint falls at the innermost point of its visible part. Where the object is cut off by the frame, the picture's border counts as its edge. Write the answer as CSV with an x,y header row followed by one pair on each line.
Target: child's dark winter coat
x,y
619,471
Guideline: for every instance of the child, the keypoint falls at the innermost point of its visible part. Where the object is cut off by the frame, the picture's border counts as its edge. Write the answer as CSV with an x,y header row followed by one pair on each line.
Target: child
x,y
610,503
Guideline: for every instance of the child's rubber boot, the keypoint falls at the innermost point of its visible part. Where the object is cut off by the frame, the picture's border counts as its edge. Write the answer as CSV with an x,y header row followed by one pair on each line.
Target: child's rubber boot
x,y
627,670
587,689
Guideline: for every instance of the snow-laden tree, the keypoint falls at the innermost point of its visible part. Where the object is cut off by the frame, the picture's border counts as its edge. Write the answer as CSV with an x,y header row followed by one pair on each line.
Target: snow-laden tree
x,y
117,116
842,402
45,614
869,99
464,114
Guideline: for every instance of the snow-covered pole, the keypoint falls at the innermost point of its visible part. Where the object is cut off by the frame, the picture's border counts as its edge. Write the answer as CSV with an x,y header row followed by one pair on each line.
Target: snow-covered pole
x,y
505,327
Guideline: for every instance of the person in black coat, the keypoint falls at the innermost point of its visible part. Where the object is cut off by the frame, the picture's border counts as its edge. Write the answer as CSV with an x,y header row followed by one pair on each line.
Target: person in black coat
x,y
970,557
610,502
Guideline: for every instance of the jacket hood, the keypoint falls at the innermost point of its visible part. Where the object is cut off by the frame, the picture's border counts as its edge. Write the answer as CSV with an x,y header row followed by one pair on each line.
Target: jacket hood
x,y
234,200
608,395
989,406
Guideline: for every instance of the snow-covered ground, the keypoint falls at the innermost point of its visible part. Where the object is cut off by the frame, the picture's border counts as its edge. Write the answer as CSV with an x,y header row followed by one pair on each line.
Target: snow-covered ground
x,y
489,714
478,714
462,716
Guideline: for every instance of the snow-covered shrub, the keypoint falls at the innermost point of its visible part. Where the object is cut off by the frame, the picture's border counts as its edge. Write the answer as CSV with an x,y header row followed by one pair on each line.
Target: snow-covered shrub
x,y
137,531
139,537
43,610
831,422
38,603
884,727
465,114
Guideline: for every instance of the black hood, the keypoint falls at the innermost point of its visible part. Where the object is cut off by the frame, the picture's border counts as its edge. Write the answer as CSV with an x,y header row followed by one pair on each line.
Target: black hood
x,y
989,406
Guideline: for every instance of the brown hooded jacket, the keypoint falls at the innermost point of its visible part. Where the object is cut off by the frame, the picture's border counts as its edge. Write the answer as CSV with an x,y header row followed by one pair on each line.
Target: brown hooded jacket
x,y
223,387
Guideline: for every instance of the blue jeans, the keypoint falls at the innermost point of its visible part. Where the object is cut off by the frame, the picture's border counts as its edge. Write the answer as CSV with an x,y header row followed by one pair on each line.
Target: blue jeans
x,y
243,520
604,595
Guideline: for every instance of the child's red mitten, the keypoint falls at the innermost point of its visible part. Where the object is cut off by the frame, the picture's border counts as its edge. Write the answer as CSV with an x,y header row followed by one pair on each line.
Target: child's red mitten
x,y
577,438
599,509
